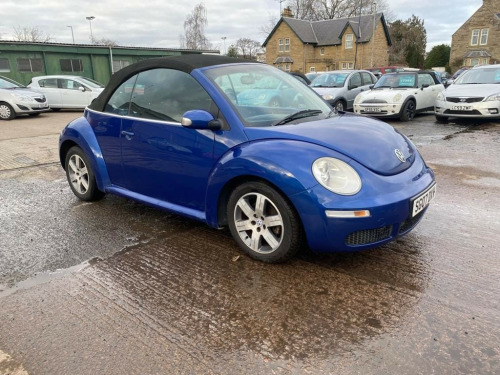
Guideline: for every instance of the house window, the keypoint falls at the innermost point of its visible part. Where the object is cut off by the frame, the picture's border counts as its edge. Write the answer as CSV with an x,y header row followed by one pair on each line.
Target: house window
x,y
474,62
280,45
287,44
484,60
347,65
312,69
30,65
475,37
484,37
71,65
287,67
119,64
348,41
322,51
4,66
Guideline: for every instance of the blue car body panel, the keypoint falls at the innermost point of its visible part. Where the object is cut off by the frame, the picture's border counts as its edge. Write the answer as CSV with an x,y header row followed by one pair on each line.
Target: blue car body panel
x,y
186,170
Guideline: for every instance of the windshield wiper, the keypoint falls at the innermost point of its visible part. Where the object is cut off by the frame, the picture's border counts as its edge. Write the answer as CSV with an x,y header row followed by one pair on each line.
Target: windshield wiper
x,y
383,87
299,114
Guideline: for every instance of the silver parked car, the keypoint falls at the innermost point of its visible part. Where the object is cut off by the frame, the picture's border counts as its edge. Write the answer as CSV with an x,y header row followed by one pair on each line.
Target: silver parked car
x,y
340,87
474,94
16,99
66,91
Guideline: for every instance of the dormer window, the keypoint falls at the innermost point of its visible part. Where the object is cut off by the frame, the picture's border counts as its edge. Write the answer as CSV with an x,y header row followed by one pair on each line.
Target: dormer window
x,y
348,41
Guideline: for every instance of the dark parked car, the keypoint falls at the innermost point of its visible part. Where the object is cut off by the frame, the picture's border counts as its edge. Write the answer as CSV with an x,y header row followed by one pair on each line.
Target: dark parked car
x,y
175,133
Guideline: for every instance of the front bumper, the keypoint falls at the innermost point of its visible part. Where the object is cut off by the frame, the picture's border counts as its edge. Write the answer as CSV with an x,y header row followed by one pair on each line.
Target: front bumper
x,y
388,198
489,109
378,109
31,107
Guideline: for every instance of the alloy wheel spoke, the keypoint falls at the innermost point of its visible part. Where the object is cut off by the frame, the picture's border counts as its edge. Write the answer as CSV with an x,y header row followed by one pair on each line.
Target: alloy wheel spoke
x,y
271,239
246,208
274,221
244,225
259,204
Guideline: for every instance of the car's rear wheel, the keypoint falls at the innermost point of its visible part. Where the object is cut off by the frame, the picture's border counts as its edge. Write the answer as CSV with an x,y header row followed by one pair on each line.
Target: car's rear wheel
x,y
6,112
408,112
340,105
442,119
80,175
263,223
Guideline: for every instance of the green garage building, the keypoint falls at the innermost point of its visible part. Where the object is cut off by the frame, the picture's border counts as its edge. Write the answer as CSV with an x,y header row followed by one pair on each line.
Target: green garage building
x,y
21,61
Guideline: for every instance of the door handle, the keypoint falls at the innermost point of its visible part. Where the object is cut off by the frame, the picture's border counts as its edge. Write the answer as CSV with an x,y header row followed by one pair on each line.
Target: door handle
x,y
128,135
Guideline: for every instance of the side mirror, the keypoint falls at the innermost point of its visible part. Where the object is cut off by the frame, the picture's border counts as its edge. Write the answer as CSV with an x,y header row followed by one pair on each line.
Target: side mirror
x,y
425,85
371,87
199,119
81,88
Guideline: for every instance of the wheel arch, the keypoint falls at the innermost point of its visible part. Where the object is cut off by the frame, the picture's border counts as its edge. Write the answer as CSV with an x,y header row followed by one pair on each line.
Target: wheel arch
x,y
79,133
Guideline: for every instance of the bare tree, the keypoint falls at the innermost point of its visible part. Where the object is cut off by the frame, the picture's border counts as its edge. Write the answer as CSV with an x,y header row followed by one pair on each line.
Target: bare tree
x,y
104,42
194,28
269,26
31,34
248,48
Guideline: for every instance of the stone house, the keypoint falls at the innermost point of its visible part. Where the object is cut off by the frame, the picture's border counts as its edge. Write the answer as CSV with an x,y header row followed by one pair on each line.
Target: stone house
x,y
477,41
343,43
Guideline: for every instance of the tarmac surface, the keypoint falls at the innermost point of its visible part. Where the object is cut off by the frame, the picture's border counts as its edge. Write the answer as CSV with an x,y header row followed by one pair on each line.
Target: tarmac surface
x,y
116,287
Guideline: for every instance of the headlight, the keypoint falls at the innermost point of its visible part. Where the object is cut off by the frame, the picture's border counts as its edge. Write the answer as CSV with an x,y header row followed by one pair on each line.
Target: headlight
x,y
440,96
397,98
336,176
24,98
357,99
493,97
327,97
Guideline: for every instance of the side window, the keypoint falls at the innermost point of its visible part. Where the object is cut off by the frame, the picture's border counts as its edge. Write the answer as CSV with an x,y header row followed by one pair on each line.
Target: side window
x,y
355,80
425,79
69,84
119,102
50,83
166,94
367,79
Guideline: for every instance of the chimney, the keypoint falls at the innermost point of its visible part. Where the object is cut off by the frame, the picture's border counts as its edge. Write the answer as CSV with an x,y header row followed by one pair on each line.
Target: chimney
x,y
287,12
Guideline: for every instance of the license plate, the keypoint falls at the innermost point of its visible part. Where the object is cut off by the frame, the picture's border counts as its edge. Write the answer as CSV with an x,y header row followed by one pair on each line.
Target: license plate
x,y
423,200
373,109
461,108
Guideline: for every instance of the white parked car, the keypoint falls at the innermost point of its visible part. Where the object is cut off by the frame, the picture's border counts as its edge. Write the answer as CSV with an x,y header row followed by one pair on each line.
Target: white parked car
x,y
474,94
65,91
16,99
401,94
340,87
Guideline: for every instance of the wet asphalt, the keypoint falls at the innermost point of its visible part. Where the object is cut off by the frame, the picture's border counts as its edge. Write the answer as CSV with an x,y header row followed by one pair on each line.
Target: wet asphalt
x,y
116,287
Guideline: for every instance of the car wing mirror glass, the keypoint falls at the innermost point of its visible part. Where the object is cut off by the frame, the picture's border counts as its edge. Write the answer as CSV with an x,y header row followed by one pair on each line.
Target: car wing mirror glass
x,y
199,119
425,85
81,88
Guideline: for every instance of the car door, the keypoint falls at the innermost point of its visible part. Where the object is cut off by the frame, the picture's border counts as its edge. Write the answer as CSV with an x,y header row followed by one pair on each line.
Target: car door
x,y
354,87
161,158
74,93
51,90
429,90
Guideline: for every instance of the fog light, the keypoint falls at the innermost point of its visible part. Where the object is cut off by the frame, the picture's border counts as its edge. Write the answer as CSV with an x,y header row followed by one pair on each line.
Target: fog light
x,y
344,214
493,111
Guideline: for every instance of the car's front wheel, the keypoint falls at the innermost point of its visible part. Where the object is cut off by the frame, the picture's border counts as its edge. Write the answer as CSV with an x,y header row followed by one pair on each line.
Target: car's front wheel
x,y
263,223
340,105
408,112
80,175
6,112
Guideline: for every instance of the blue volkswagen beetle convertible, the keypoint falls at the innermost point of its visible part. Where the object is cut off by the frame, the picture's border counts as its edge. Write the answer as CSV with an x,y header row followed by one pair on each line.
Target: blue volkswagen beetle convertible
x,y
200,136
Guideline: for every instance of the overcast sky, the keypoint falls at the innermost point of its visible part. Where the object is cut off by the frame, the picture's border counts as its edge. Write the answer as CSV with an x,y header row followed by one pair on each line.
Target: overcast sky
x,y
158,23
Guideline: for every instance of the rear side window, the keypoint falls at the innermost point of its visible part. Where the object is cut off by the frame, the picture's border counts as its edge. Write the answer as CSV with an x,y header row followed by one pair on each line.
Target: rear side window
x,y
50,83
119,102
367,78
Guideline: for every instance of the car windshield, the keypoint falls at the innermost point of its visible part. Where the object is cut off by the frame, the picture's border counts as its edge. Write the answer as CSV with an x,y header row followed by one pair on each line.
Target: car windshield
x,y
396,81
479,76
330,80
6,83
91,83
266,96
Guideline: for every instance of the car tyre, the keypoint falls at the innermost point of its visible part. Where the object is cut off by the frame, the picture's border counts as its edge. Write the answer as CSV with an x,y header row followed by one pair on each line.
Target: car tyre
x,y
339,105
408,112
442,119
80,175
6,111
263,223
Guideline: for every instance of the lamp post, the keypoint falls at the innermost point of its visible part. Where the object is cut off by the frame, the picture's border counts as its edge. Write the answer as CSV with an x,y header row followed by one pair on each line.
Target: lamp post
x,y
72,35
90,18
224,44
374,9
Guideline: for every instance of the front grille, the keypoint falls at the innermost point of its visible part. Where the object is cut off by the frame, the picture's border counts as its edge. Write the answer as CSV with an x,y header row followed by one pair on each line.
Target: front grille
x,y
450,112
463,100
363,237
374,101
40,100
410,223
